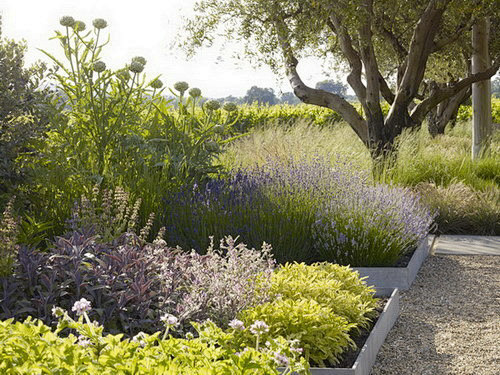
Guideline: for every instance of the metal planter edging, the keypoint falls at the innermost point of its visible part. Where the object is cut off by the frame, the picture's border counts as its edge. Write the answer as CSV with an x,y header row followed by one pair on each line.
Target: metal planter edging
x,y
385,279
366,357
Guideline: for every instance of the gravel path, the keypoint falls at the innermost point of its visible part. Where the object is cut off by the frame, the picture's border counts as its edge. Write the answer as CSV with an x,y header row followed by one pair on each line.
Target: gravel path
x,y
449,322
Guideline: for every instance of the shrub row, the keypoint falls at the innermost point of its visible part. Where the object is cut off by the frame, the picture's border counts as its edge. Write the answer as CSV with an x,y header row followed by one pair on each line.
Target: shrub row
x,y
309,210
136,287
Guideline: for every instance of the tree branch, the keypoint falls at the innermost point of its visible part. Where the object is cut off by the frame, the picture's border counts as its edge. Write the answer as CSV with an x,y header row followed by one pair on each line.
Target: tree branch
x,y
345,42
420,111
318,97
453,36
421,46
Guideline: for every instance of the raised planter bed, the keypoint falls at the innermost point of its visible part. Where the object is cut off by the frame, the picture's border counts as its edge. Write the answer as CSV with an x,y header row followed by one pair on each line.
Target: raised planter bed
x,y
366,357
385,279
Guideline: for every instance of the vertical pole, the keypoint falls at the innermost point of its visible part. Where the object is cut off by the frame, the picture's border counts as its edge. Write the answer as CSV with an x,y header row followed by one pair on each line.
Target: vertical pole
x,y
481,91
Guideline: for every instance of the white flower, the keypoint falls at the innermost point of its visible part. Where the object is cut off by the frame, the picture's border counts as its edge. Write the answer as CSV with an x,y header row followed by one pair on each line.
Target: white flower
x,y
139,338
81,307
169,320
160,242
259,327
281,359
83,341
57,312
237,324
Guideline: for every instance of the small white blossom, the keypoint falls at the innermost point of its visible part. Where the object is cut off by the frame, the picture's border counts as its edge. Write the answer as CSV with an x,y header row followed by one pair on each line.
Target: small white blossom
x,y
169,320
281,359
57,312
237,324
259,327
81,306
83,341
139,338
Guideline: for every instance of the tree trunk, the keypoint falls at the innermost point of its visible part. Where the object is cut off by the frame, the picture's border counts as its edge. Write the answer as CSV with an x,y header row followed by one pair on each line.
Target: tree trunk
x,y
445,112
481,95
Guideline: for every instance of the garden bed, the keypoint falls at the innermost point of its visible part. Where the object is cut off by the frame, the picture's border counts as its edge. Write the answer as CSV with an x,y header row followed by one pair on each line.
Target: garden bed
x,y
385,279
368,353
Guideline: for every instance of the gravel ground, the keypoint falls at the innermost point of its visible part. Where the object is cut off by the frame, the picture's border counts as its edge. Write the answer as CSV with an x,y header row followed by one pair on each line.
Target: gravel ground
x,y
449,322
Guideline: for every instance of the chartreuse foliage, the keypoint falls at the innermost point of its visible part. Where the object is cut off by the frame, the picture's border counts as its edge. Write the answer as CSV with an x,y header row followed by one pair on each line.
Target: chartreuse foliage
x,y
330,285
320,306
322,334
34,348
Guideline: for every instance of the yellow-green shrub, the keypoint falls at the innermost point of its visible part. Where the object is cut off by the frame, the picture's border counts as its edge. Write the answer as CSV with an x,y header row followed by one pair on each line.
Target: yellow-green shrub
x,y
322,334
33,348
330,285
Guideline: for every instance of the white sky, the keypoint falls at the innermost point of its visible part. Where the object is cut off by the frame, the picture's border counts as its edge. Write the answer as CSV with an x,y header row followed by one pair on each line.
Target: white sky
x,y
142,28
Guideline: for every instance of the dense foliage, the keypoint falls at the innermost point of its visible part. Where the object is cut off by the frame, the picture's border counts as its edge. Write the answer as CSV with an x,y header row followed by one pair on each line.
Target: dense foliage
x,y
136,287
132,283
32,347
308,210
442,161
23,111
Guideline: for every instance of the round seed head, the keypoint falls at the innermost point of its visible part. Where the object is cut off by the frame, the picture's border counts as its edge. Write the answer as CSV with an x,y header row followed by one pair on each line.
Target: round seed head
x,y
230,107
67,21
156,84
219,129
99,23
212,105
195,92
123,74
79,26
99,66
181,86
212,146
139,59
136,67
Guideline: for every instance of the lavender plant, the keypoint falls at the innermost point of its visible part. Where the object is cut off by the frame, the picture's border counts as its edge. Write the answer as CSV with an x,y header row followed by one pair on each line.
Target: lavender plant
x,y
308,210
